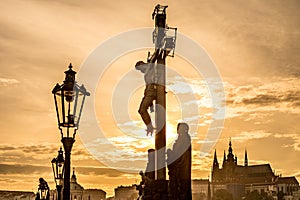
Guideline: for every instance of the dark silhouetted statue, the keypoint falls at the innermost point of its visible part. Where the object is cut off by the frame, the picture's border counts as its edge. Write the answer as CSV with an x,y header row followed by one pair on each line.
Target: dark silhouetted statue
x,y
149,93
179,165
146,187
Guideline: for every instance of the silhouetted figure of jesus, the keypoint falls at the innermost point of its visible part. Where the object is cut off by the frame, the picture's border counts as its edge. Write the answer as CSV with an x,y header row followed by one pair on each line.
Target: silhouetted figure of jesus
x,y
179,165
149,93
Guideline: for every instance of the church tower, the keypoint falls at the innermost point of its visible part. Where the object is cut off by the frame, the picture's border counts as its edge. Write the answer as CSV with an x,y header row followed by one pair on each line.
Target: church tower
x,y
215,168
246,158
216,163
74,178
224,159
230,156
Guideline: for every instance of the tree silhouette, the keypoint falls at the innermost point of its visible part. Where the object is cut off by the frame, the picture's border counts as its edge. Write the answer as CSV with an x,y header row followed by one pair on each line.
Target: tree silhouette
x,y
222,194
255,195
280,195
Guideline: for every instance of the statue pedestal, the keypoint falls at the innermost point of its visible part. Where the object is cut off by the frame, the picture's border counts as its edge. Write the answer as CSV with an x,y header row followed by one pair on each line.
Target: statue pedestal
x,y
161,190
156,190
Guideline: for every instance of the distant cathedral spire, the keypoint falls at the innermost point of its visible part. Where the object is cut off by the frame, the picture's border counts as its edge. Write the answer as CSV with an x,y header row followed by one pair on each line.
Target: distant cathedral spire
x,y
230,156
224,159
246,158
230,147
216,163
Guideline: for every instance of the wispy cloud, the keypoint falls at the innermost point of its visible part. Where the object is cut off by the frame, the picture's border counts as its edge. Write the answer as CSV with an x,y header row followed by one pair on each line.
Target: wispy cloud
x,y
278,94
244,136
8,81
23,169
294,138
38,154
291,97
204,93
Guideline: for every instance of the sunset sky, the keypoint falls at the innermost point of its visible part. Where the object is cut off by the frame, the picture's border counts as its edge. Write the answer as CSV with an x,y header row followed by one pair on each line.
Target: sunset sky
x,y
254,44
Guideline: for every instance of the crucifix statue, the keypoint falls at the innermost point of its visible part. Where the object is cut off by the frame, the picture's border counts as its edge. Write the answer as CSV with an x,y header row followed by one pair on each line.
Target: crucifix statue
x,y
154,68
154,71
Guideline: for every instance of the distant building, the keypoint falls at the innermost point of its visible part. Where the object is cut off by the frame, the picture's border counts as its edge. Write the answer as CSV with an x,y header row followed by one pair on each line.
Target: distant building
x,y
16,195
200,189
77,192
126,193
288,185
296,195
91,194
242,179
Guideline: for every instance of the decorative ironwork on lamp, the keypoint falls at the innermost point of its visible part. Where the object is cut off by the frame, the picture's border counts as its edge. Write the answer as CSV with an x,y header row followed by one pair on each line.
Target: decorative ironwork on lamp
x,y
69,98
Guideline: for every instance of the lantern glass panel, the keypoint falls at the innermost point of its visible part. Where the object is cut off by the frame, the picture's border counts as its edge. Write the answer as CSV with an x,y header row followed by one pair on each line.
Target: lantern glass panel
x,y
43,193
60,181
75,105
69,98
60,170
69,117
58,101
79,104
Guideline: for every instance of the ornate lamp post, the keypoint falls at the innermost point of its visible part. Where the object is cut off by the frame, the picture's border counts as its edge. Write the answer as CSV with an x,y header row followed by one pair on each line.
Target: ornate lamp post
x,y
58,171
43,190
69,99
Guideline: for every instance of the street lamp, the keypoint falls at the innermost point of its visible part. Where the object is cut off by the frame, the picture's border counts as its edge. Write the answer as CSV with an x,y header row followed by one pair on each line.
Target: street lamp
x,y
43,190
58,171
69,99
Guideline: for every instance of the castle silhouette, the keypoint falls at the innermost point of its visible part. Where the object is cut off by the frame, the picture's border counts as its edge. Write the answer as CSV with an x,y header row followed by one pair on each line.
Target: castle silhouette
x,y
242,179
